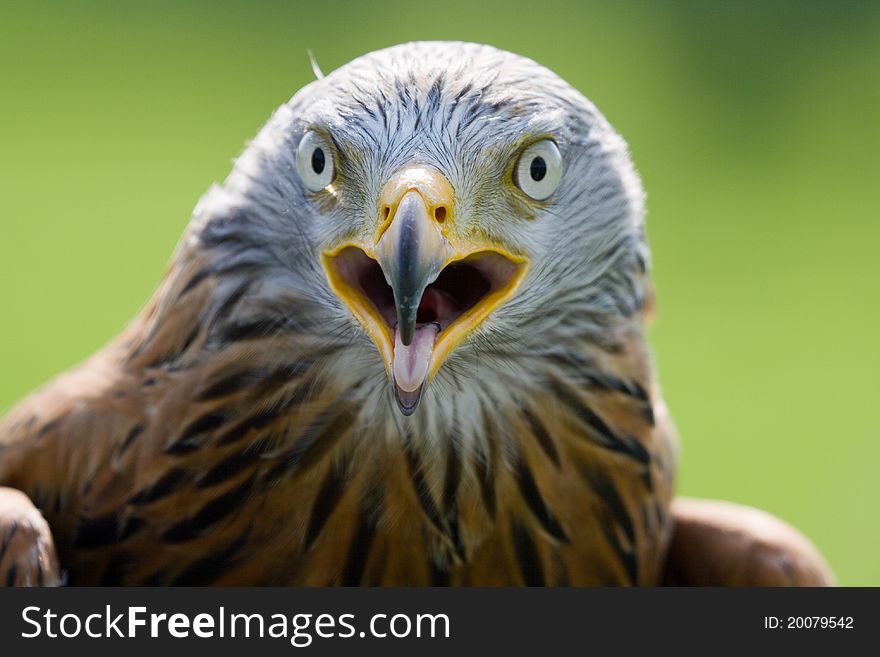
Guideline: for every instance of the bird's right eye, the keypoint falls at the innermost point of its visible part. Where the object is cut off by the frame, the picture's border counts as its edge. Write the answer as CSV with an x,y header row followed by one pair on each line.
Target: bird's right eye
x,y
314,162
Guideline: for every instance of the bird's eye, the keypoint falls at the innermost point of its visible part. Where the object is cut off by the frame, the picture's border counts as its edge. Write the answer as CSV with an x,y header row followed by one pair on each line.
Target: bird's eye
x,y
314,162
539,170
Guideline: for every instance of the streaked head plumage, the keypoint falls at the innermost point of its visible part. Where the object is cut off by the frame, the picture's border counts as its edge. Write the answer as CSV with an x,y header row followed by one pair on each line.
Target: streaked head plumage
x,y
464,115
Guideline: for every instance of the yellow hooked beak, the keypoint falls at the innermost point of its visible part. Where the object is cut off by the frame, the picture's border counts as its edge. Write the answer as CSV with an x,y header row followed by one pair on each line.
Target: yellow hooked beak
x,y
418,288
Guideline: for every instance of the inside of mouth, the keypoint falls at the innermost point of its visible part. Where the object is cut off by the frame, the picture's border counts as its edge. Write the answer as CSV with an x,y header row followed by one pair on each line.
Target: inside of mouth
x,y
459,287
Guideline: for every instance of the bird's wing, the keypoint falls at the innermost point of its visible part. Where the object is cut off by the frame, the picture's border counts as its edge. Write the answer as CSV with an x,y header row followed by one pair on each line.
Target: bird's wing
x,y
718,543
74,446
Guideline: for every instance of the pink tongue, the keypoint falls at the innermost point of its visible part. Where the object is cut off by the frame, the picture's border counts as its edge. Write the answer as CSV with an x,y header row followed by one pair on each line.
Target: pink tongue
x,y
411,362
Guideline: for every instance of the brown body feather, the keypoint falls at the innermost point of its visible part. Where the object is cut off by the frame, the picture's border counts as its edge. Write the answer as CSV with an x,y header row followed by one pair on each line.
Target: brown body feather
x,y
164,460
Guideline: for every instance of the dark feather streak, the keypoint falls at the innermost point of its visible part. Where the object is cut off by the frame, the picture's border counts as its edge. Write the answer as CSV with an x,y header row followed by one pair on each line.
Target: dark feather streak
x,y
209,568
527,555
7,539
167,484
423,493
540,432
196,433
326,501
229,467
212,512
48,427
11,575
529,489
253,378
105,530
601,433
451,479
439,573
318,439
485,467
616,515
136,430
361,543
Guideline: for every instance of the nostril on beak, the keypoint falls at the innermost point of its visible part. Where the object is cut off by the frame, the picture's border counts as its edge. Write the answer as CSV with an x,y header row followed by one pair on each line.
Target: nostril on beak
x,y
386,210
440,214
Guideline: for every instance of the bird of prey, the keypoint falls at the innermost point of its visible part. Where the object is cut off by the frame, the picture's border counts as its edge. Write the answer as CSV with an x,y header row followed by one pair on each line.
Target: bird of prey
x,y
402,344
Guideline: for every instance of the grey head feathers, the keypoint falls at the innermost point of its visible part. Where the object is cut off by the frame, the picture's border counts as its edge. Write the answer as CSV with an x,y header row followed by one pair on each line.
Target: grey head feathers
x,y
465,109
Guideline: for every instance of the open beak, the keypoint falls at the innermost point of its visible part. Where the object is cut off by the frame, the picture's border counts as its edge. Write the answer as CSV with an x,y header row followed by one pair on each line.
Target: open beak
x,y
416,287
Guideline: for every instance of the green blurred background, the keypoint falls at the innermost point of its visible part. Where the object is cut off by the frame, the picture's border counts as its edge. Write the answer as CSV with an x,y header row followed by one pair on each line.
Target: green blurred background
x,y
755,125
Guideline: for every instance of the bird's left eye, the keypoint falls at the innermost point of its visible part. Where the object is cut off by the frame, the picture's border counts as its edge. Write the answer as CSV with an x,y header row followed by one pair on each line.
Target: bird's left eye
x,y
314,162
539,169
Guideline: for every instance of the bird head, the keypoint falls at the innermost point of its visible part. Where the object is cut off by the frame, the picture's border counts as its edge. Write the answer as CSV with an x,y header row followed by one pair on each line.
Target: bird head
x,y
458,213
